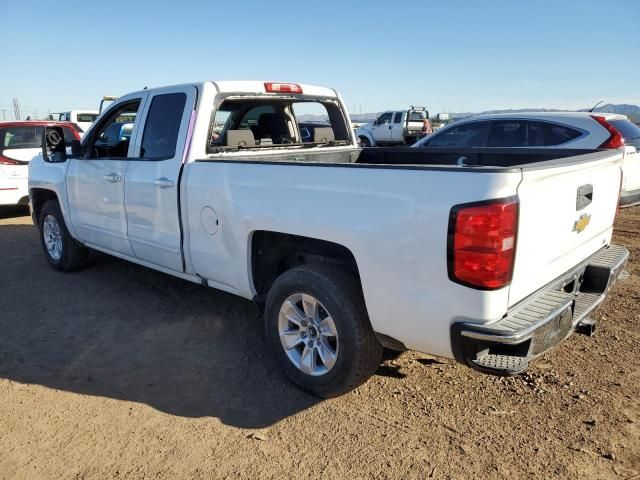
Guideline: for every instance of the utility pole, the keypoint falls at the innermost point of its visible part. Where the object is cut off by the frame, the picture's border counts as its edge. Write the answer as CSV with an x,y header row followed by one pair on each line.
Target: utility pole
x,y
16,108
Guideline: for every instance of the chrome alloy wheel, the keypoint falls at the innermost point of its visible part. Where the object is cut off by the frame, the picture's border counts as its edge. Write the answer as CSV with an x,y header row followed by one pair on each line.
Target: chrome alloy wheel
x,y
52,237
308,334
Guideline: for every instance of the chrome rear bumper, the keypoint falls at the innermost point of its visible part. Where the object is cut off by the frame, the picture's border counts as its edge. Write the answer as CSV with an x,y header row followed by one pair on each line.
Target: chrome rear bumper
x,y
542,320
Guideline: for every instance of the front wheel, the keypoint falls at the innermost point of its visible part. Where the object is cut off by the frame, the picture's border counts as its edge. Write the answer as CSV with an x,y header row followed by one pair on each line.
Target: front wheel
x,y
317,326
61,250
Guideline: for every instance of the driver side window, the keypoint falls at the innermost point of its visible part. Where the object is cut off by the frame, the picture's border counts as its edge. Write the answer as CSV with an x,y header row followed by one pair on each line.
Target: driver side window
x,y
384,118
113,136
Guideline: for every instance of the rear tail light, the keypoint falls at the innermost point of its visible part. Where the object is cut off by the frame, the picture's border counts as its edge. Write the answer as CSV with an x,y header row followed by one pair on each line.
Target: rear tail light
x,y
481,244
7,161
275,87
615,140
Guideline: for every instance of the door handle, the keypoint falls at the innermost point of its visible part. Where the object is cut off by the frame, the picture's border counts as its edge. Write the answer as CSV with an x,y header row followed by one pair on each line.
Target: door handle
x,y
163,182
584,196
112,178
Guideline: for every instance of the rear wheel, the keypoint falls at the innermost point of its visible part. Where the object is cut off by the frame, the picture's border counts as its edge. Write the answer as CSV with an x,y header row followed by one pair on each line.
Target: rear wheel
x,y
364,142
317,326
61,250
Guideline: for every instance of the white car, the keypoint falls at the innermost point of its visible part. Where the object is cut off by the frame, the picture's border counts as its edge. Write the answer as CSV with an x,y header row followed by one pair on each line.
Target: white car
x,y
572,130
347,249
20,141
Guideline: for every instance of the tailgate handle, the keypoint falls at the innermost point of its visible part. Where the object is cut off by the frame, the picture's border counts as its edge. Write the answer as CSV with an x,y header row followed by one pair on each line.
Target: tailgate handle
x,y
584,196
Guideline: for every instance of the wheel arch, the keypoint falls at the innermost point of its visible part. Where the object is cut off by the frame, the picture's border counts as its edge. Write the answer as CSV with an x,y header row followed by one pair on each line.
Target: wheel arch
x,y
368,137
273,253
38,197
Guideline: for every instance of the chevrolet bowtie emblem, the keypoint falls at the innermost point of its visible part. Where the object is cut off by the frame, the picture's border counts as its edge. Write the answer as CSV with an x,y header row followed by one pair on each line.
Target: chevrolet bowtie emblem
x,y
582,222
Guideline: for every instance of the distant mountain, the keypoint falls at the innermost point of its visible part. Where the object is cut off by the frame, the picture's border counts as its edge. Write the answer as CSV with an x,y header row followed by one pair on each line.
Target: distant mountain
x,y
623,109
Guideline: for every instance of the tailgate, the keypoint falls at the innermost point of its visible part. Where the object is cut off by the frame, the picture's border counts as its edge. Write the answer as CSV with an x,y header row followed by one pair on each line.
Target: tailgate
x,y
414,126
566,214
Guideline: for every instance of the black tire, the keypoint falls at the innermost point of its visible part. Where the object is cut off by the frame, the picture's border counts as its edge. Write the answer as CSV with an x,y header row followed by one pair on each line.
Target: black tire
x,y
364,142
359,352
73,255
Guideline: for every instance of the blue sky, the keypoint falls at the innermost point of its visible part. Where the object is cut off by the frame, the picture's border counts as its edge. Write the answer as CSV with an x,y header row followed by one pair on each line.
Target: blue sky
x,y
451,55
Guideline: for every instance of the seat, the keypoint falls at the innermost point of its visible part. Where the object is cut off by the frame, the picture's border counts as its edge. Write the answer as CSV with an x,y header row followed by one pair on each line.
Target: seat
x,y
273,126
240,138
323,135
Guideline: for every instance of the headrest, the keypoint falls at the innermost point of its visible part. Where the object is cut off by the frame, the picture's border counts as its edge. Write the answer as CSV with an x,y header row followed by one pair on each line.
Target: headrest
x,y
323,135
240,138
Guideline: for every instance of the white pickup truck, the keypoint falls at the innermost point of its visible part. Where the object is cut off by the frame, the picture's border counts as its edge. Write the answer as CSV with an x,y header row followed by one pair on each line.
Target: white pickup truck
x,y
402,127
82,118
347,250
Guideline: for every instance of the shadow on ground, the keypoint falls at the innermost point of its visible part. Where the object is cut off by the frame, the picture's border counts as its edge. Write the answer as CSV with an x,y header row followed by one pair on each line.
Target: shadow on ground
x,y
122,331
13,211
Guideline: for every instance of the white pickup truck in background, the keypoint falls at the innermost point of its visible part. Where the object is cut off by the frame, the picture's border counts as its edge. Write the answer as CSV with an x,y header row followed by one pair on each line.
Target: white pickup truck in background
x,y
346,249
402,127
82,118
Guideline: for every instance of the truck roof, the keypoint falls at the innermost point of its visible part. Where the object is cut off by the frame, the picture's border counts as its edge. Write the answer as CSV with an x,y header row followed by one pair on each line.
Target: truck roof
x,y
255,87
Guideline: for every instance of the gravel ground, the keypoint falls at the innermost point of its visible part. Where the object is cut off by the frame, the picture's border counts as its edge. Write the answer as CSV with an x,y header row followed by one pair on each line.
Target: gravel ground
x,y
121,372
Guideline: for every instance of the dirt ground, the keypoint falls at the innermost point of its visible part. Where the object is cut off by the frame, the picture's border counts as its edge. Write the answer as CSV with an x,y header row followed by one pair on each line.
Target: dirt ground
x,y
119,372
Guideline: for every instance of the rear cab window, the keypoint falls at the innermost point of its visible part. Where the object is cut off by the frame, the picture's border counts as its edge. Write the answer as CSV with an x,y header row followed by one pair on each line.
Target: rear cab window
x,y
262,122
417,116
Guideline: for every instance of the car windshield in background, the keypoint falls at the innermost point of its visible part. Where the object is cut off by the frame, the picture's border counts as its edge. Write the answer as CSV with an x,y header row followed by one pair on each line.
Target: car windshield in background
x,y
87,117
20,137
628,130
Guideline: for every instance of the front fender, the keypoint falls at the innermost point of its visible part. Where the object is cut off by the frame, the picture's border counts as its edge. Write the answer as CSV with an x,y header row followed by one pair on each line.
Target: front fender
x,y
367,133
51,177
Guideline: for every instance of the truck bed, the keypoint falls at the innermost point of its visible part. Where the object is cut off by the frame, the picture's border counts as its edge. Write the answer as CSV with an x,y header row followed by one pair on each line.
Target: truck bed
x,y
437,157
471,157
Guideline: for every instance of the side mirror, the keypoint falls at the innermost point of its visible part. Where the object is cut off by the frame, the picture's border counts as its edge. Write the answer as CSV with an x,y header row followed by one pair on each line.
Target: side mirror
x,y
54,149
